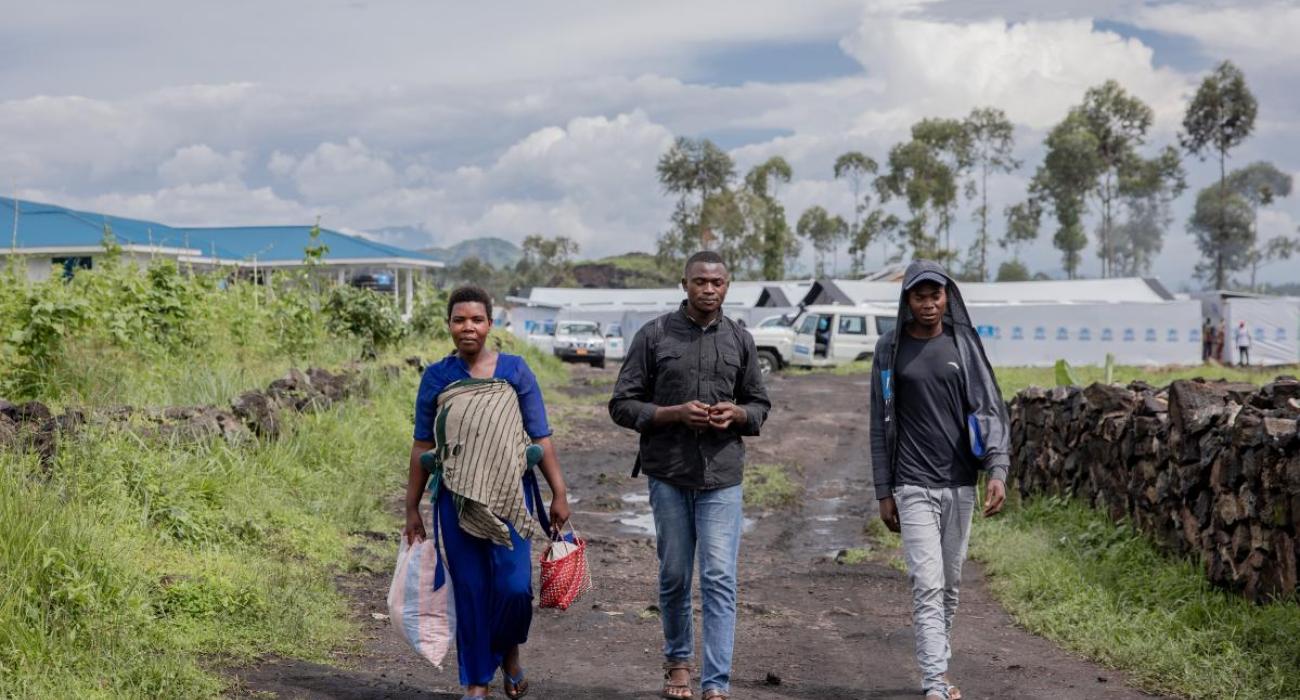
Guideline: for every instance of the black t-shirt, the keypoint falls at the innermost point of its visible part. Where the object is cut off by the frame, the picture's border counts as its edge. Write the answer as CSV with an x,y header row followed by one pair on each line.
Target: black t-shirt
x,y
933,448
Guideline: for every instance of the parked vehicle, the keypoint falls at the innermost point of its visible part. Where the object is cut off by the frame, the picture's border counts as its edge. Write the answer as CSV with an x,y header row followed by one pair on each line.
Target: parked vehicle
x,y
541,334
774,338
579,341
615,345
826,336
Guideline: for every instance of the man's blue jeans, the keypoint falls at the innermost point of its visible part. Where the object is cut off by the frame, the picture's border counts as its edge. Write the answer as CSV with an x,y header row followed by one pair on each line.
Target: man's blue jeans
x,y
707,523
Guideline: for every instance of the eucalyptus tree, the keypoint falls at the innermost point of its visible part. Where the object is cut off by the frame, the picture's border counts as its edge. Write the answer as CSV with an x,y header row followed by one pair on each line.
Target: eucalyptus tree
x,y
949,142
1222,224
776,241
822,230
855,167
1219,118
917,174
1146,191
695,170
1069,170
991,138
1261,183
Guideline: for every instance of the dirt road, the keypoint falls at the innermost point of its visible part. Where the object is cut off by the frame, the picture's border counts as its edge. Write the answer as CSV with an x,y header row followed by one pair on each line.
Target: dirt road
x,y
808,627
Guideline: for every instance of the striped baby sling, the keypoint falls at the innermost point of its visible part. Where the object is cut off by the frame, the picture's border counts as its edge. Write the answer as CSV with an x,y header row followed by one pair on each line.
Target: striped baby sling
x,y
479,455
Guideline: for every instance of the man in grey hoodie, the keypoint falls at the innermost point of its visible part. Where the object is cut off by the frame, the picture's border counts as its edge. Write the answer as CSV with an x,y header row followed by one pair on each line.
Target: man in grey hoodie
x,y
937,420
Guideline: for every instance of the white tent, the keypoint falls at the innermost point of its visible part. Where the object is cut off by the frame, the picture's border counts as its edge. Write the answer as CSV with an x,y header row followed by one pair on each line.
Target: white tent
x,y
1162,333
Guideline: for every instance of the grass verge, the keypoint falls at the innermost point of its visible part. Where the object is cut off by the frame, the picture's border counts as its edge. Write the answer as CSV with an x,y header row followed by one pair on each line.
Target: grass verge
x,y
771,486
1102,590
130,561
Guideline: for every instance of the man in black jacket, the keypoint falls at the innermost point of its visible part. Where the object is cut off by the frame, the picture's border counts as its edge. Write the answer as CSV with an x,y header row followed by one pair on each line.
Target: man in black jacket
x,y
937,421
691,386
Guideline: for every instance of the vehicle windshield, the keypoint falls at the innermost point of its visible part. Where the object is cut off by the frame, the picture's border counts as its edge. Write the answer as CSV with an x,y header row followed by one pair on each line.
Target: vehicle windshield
x,y
809,324
577,328
775,322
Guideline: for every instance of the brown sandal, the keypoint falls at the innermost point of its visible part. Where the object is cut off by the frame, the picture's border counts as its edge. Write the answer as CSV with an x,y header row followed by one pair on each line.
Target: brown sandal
x,y
677,691
715,694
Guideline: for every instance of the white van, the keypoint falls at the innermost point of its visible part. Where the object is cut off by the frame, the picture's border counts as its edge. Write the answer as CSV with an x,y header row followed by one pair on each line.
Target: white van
x,y
829,335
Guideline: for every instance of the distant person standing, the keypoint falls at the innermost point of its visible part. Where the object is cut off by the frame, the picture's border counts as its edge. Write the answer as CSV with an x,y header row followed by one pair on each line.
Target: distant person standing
x,y
1243,344
691,386
937,420
1207,340
1220,337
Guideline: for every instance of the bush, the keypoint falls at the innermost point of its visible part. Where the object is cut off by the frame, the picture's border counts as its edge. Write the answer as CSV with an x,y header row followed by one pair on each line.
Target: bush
x,y
367,316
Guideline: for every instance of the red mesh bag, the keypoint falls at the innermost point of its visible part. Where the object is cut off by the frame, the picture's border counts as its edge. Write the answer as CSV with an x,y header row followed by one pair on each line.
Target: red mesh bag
x,y
565,574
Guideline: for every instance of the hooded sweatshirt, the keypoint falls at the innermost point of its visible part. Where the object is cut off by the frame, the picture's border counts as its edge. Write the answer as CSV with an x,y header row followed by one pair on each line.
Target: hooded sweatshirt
x,y
987,427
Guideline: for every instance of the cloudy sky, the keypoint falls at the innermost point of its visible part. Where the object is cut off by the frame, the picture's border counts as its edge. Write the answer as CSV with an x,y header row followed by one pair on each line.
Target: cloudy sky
x,y
429,122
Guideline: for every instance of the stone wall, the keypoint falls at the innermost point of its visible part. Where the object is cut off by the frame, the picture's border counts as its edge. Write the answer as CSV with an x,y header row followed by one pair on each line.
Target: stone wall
x,y
1208,470
33,426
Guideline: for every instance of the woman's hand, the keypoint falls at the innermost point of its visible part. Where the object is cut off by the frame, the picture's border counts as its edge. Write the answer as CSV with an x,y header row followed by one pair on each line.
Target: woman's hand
x,y
559,513
414,530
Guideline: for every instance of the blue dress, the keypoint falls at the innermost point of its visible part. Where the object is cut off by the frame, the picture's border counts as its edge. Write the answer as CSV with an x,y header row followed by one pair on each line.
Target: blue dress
x,y
492,583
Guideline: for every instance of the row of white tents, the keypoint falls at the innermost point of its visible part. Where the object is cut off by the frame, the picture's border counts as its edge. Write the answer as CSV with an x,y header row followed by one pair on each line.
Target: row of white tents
x,y
1137,320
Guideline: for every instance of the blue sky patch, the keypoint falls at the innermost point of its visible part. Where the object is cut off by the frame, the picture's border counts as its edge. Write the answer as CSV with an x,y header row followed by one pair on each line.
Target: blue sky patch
x,y
768,62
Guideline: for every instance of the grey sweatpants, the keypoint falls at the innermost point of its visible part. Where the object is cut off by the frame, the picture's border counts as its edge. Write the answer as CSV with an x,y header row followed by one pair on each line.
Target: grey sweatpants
x,y
936,528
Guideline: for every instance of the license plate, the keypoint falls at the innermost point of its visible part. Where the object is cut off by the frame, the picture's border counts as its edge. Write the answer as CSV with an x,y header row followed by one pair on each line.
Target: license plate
x,y
582,351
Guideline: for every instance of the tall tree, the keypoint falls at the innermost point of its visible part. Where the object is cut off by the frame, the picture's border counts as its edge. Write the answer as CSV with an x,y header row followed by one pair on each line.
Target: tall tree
x,y
776,240
695,170
949,143
918,176
1118,122
1147,187
854,167
1277,248
1260,183
1222,223
878,225
992,138
1220,116
1069,170
1023,220
822,230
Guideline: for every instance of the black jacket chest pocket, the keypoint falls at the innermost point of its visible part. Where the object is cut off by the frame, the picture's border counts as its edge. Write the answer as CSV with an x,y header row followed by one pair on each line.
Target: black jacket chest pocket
x,y
671,374
730,368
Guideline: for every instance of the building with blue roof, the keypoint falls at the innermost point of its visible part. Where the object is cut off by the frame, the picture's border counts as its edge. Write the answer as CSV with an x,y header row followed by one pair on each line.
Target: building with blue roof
x,y
57,240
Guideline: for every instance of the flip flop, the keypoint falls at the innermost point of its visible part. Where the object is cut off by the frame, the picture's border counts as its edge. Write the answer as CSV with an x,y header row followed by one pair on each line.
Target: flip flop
x,y
514,687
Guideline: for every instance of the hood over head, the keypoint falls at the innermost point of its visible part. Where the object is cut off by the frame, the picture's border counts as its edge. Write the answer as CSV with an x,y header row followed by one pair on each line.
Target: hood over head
x,y
930,271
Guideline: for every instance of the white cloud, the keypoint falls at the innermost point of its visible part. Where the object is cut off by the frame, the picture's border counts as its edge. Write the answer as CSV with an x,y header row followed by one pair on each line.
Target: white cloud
x,y
1033,70
341,172
1258,33
198,164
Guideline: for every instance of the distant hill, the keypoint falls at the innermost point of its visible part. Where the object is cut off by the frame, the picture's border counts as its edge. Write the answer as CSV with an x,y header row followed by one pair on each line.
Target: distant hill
x,y
627,271
497,252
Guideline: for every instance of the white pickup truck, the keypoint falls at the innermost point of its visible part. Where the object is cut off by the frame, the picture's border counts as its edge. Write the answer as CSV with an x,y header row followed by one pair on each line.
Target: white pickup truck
x,y
823,336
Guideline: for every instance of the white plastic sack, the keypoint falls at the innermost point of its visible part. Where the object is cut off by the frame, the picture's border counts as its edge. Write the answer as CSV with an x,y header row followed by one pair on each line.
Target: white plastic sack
x,y
421,604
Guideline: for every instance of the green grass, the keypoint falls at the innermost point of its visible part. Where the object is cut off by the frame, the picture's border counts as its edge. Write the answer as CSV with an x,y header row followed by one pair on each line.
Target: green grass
x,y
1012,379
130,561
771,486
1099,589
